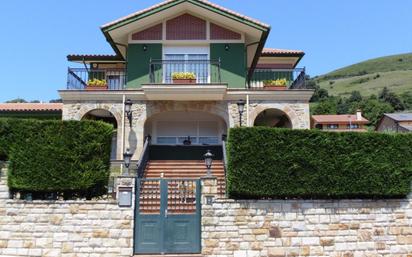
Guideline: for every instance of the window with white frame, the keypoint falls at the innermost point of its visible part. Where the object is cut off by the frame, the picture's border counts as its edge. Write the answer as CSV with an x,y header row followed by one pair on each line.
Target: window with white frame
x,y
186,59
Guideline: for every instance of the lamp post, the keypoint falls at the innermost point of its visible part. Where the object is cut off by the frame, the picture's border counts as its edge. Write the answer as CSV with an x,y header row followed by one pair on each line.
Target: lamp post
x,y
127,158
128,110
241,107
208,162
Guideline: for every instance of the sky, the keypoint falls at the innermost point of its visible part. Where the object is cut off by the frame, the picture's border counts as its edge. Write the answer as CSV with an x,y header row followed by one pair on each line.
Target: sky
x,y
36,36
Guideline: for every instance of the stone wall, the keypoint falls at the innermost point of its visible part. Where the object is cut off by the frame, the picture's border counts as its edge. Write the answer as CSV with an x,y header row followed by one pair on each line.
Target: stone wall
x,y
63,228
340,228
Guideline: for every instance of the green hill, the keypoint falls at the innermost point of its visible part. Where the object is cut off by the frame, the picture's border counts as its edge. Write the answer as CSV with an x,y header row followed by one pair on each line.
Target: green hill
x,y
369,77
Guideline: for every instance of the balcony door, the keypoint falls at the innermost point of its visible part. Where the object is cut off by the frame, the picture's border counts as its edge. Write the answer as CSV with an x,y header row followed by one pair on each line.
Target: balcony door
x,y
186,59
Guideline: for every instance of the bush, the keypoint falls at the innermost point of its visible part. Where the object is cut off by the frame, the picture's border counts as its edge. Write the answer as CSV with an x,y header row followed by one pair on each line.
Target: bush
x,y
64,157
279,163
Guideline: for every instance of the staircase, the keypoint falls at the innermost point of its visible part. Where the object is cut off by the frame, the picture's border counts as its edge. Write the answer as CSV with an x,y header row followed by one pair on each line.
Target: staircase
x,y
181,195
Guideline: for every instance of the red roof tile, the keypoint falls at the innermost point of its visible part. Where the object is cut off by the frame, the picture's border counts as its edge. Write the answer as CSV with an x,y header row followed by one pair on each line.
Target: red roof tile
x,y
276,51
30,107
342,118
170,1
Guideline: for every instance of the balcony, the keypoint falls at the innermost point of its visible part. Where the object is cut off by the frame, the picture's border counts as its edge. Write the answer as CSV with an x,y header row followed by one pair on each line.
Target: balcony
x,y
109,79
206,84
262,78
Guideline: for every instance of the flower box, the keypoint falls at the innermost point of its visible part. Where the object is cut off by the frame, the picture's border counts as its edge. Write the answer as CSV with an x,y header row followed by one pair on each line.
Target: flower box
x,y
270,87
96,88
184,81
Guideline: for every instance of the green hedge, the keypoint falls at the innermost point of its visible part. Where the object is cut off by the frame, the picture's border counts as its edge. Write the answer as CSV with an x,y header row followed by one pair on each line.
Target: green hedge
x,y
69,157
279,163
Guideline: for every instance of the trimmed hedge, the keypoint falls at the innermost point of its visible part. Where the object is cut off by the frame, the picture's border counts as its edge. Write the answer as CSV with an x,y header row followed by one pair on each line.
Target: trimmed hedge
x,y
280,163
68,157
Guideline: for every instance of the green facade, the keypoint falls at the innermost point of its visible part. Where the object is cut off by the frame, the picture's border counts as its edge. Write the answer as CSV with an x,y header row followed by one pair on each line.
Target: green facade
x,y
138,60
233,63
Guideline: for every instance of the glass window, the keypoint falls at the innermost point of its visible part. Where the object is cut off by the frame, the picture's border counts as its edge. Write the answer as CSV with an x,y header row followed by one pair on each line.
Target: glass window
x,y
166,140
333,126
196,63
208,140
353,126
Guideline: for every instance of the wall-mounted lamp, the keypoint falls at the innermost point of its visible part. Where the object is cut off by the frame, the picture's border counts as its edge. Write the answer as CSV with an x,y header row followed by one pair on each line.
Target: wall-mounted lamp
x,y
127,159
241,108
144,48
227,47
208,162
128,110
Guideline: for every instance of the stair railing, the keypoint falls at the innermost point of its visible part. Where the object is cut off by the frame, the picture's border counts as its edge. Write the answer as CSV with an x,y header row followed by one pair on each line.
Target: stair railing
x,y
144,158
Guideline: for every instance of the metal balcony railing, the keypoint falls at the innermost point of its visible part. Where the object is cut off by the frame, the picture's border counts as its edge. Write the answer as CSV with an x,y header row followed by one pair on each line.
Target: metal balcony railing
x,y
205,71
295,78
80,79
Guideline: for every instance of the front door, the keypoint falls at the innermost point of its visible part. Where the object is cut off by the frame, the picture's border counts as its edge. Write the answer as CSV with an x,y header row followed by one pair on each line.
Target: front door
x,y
167,216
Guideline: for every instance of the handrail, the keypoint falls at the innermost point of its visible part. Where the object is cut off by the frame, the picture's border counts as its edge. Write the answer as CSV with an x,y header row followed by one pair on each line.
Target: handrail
x,y
144,158
299,82
224,161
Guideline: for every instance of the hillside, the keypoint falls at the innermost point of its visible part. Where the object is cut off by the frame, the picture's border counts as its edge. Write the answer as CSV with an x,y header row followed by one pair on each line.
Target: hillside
x,y
369,77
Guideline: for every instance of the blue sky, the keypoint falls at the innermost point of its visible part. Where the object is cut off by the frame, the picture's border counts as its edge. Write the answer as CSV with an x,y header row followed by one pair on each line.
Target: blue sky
x,y
37,35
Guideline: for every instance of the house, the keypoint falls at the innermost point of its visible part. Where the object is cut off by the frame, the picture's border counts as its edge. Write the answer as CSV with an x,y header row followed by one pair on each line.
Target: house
x,y
31,110
343,122
183,72
395,122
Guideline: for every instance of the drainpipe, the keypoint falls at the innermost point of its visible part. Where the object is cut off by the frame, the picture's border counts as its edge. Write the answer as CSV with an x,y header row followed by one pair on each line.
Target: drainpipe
x,y
123,131
247,110
248,45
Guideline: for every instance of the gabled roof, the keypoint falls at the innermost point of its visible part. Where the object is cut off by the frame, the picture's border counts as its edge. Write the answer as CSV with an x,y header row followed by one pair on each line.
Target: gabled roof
x,y
138,14
31,107
341,118
400,116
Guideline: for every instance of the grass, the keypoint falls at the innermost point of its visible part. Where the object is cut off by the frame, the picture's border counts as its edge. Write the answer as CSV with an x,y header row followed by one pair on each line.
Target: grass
x,y
369,77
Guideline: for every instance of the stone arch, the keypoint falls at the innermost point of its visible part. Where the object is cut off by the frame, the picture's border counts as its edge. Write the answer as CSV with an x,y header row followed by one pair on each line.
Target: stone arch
x,y
108,117
286,110
87,109
218,109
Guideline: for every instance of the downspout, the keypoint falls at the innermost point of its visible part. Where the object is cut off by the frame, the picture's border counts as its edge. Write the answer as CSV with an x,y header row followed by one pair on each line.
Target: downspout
x,y
123,131
247,46
247,110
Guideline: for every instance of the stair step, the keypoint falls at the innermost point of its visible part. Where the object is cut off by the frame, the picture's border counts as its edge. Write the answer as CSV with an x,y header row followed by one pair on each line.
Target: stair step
x,y
171,255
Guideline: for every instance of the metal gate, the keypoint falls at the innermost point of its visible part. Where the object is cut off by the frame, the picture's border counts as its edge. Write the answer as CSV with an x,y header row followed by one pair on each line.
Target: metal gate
x,y
167,216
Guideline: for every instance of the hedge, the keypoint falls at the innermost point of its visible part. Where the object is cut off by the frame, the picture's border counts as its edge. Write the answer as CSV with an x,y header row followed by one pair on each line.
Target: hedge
x,y
267,163
69,157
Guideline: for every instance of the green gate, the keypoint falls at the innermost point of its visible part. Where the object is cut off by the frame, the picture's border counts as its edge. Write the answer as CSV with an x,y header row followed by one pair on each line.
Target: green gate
x,y
167,216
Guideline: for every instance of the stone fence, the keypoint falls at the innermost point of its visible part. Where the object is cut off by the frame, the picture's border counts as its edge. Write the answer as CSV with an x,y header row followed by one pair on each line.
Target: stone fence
x,y
338,228
63,228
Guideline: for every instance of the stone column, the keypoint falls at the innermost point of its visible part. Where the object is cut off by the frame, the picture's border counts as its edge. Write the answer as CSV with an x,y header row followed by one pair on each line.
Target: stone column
x,y
4,190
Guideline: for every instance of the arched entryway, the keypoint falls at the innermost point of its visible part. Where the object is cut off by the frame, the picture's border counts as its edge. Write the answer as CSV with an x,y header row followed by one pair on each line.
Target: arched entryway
x,y
185,128
108,117
273,118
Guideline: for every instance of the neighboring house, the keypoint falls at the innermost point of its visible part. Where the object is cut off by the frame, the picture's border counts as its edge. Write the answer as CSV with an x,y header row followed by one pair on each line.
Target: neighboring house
x,y
340,123
395,122
31,110
188,70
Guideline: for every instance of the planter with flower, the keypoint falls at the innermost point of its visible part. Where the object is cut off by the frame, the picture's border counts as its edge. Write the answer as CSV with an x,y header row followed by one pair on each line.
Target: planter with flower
x,y
184,78
275,84
97,84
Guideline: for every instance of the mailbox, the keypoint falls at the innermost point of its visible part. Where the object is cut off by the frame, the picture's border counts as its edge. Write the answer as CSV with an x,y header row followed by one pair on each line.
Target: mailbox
x,y
124,196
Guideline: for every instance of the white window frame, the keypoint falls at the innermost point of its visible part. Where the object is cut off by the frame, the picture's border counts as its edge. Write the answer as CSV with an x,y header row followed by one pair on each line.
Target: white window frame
x,y
186,50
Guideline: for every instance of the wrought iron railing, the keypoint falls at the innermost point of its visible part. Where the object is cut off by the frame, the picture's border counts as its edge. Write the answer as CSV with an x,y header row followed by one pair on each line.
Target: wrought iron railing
x,y
144,158
205,71
224,138
295,78
80,78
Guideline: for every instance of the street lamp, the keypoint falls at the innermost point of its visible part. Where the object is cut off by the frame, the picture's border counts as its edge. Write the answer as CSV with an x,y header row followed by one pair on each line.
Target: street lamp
x,y
208,161
128,110
241,107
127,158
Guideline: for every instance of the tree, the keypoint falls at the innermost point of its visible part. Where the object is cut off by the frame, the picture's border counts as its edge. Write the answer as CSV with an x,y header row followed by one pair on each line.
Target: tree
x,y
389,97
56,100
372,109
17,100
407,100
325,106
355,96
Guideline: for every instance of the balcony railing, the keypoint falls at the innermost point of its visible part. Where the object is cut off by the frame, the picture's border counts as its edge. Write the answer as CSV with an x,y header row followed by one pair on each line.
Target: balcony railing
x,y
206,71
295,78
79,78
